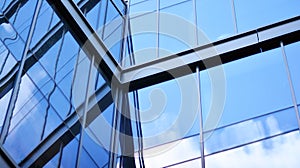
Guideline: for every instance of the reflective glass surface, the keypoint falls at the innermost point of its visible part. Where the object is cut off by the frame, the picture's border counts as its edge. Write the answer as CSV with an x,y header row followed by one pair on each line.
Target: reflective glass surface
x,y
255,85
169,111
280,151
214,20
254,14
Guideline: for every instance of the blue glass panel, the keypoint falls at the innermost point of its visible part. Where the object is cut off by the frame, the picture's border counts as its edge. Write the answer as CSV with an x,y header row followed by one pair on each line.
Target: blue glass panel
x,y
66,69
250,130
120,5
66,84
43,24
254,85
69,49
86,160
293,53
176,152
11,39
173,40
96,151
29,104
257,13
60,103
27,134
7,62
53,121
280,151
97,137
92,16
142,7
69,154
214,20
169,110
38,74
26,93
21,20
144,37
4,4
113,40
4,102
48,60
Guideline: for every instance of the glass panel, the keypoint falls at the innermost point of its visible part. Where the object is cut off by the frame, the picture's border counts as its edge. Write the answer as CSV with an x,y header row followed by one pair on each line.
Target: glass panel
x,y
254,86
21,19
69,155
69,49
214,20
173,153
7,63
144,37
11,39
4,102
281,151
93,16
143,7
173,40
86,160
249,13
257,128
27,134
113,32
44,23
27,92
293,57
96,137
120,5
169,111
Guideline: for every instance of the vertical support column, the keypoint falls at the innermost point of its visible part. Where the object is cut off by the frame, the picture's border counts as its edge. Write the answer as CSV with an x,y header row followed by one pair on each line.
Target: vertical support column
x,y
17,82
126,136
195,20
113,153
124,37
200,118
234,16
290,83
157,28
86,102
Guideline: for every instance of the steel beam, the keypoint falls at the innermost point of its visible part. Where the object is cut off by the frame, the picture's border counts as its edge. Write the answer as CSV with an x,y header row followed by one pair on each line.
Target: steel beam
x,y
230,49
87,38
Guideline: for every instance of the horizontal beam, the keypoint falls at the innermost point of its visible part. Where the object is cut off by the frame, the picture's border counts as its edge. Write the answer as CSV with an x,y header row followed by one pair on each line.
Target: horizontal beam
x,y
207,56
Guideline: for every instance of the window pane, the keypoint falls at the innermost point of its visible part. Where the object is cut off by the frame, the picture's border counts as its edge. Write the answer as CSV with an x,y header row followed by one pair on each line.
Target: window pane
x,y
250,130
173,40
173,153
96,137
256,13
169,111
214,20
281,151
255,85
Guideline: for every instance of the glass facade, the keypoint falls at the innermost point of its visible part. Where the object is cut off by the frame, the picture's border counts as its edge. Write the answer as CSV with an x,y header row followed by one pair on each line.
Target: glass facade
x,y
149,83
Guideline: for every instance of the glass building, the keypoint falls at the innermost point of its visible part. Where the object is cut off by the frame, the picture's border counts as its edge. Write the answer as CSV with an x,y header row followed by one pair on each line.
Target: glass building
x,y
149,83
